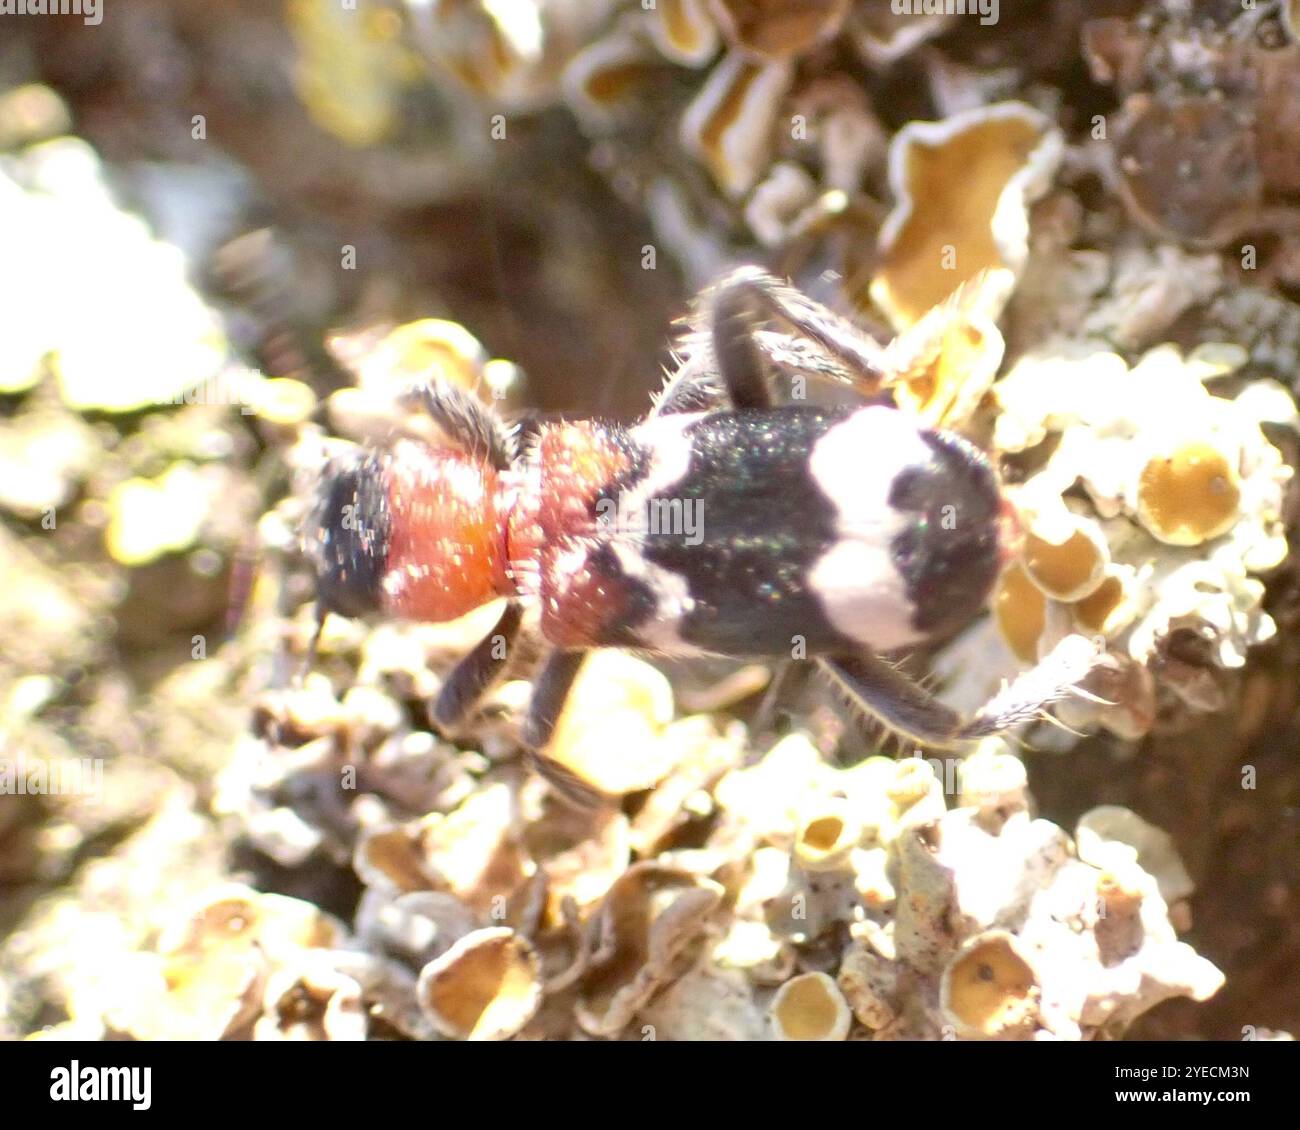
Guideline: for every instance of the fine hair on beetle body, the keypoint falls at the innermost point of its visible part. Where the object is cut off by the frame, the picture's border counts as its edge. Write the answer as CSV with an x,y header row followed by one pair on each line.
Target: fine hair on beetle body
x,y
834,533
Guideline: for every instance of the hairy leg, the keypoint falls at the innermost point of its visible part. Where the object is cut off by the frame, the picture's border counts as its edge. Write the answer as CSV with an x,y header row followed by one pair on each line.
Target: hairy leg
x,y
467,421
882,691
730,355
478,672
550,691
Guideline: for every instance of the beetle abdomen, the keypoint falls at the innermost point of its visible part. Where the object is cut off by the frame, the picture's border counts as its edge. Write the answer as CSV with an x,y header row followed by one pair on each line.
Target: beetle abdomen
x,y
766,532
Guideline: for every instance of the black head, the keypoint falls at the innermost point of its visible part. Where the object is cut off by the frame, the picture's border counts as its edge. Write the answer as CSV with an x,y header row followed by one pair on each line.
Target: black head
x,y
347,535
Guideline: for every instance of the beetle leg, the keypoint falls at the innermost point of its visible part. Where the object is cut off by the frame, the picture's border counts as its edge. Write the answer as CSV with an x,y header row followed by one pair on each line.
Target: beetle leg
x,y
550,691
881,690
730,356
466,420
478,672
854,356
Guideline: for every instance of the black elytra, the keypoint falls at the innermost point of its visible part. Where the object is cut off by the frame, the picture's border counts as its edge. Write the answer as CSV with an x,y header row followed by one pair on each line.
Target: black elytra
x,y
765,523
949,555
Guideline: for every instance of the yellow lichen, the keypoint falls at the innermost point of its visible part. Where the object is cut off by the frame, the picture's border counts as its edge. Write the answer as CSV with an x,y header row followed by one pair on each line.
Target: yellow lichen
x,y
989,989
431,348
962,187
729,125
683,30
211,961
351,67
810,1007
941,367
1067,558
283,402
1188,495
780,29
1096,612
610,76
883,38
486,987
1021,612
475,851
609,734
827,837
649,916
148,518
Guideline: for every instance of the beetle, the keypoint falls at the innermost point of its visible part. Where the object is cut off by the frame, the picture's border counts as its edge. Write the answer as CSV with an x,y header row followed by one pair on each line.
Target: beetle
x,y
839,533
